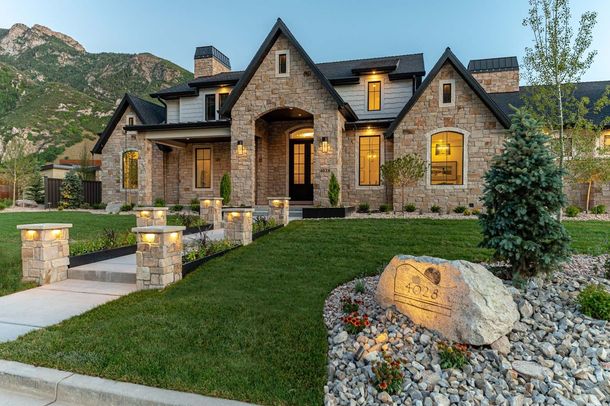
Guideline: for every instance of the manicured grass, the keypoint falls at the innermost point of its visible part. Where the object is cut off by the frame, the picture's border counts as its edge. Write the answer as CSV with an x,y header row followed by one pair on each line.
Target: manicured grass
x,y
249,325
85,226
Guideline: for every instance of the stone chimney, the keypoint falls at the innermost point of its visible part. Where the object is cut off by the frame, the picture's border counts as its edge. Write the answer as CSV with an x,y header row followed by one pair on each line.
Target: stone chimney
x,y
496,75
210,61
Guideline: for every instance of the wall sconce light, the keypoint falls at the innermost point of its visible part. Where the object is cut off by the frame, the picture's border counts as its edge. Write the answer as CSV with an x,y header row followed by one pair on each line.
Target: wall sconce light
x,y
145,214
159,214
206,203
325,144
56,233
240,148
149,238
32,235
442,149
173,237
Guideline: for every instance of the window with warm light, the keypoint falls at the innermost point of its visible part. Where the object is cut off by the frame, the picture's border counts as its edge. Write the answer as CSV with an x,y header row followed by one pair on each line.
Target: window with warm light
x,y
369,160
130,169
447,158
607,140
203,168
374,96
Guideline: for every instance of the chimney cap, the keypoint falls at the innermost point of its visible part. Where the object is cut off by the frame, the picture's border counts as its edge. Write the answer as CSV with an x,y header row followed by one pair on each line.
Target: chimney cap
x,y
210,51
494,64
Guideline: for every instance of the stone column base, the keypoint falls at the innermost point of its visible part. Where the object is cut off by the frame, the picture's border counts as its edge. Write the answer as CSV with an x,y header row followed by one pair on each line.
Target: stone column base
x,y
238,224
151,216
279,208
210,211
45,252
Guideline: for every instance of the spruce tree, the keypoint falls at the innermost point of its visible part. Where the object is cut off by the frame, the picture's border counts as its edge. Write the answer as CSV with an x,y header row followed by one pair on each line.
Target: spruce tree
x,y
522,192
35,190
71,191
225,188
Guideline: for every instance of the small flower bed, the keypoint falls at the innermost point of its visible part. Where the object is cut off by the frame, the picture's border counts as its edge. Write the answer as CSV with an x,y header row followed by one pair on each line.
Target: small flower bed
x,y
109,239
206,248
453,355
261,223
388,376
350,305
355,323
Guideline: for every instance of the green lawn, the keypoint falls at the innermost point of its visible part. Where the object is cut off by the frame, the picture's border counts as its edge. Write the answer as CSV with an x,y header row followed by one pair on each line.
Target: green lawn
x,y
86,226
249,325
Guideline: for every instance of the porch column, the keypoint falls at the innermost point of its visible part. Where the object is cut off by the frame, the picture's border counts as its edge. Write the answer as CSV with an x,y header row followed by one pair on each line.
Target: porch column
x,y
151,216
145,172
238,224
45,252
210,211
279,208
243,163
328,137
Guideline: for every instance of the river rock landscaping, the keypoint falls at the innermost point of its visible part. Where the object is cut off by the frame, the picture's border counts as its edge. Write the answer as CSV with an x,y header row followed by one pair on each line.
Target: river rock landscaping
x,y
553,355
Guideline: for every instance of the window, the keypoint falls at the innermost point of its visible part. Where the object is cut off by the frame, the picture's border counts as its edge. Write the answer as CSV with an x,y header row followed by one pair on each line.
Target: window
x,y
369,157
446,93
374,102
222,98
130,169
282,63
203,168
606,140
210,107
130,120
447,159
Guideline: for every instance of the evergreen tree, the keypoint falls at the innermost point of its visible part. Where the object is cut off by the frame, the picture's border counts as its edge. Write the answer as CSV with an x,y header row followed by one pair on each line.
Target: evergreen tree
x,y
35,190
225,188
71,191
334,190
522,193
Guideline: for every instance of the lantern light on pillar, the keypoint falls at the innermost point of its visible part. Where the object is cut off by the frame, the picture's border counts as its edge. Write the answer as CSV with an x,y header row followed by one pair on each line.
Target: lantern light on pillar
x,y
240,148
324,144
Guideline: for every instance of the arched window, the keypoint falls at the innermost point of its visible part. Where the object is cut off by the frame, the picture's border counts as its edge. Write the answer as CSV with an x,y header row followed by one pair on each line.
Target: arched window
x,y
130,169
447,158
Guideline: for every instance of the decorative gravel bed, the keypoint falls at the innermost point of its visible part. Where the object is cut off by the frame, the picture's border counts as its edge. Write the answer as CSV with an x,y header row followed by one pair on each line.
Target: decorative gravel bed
x,y
566,354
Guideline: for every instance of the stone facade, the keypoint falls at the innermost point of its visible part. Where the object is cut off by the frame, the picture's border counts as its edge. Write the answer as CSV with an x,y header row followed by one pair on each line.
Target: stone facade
x,y
151,216
45,252
279,209
498,82
266,92
158,256
238,224
483,138
210,211
209,66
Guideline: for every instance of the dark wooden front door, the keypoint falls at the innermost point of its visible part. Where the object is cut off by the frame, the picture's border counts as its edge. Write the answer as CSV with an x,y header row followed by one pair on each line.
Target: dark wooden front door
x,y
300,170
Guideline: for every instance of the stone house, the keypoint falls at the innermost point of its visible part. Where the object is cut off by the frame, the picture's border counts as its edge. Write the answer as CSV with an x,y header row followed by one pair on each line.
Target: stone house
x,y
285,124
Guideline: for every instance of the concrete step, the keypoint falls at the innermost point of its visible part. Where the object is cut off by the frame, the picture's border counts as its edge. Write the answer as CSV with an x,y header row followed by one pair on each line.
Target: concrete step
x,y
116,270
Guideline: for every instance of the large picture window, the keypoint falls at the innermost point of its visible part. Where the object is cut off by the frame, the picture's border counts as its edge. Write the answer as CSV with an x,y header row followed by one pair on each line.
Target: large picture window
x,y
374,96
369,158
203,168
447,158
210,107
130,169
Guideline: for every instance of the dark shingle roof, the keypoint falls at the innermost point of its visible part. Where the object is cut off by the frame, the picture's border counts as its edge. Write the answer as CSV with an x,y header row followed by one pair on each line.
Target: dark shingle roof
x,y
229,78
592,90
493,64
412,64
211,51
182,89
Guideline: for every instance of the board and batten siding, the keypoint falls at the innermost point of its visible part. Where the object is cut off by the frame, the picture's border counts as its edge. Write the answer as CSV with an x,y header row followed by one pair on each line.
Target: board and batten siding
x,y
191,109
173,111
394,95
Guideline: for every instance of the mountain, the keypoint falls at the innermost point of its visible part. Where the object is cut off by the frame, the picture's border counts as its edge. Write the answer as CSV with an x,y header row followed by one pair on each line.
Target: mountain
x,y
57,93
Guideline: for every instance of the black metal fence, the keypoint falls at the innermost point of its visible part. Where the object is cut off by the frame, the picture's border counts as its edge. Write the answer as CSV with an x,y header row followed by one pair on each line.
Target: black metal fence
x,y
92,191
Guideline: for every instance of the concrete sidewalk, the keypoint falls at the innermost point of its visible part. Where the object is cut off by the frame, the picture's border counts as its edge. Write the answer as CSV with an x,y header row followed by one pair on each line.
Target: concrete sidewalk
x,y
22,384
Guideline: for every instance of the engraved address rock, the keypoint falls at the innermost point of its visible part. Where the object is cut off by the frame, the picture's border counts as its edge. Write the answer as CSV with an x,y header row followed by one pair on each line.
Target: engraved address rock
x,y
462,301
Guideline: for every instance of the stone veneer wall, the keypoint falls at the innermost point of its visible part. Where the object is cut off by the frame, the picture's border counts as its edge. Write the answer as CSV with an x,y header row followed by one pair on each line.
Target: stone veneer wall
x,y
266,92
469,114
498,82
353,194
208,67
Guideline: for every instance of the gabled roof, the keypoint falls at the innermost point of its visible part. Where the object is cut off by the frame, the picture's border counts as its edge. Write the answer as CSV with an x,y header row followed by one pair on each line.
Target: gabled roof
x,y
493,64
450,57
147,112
280,28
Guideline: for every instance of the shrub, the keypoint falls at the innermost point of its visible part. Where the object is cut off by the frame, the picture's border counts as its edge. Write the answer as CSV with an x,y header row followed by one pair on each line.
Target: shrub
x,y
85,206
194,201
359,287
364,208
466,212
521,201
159,202
355,323
109,239
387,375
594,301
384,208
225,188
453,356
435,209
409,208
194,208
572,211
35,190
2,206
475,212
127,207
599,209
176,208
261,223
459,209
71,191
607,268
334,189
206,247
188,220
99,206
349,305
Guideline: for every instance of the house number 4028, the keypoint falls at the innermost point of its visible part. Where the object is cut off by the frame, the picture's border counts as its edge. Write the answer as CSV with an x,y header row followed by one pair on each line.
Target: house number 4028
x,y
423,291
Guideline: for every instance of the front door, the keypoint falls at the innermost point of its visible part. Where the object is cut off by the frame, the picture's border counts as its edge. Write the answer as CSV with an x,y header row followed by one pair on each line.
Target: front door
x,y
301,170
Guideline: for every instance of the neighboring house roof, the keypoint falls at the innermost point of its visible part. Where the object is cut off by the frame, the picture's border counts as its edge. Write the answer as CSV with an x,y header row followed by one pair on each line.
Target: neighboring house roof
x,y
147,112
280,28
450,57
493,64
592,90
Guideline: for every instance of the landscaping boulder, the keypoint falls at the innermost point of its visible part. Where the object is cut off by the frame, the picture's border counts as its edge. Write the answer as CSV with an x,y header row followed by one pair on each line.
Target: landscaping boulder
x,y
461,300
26,203
113,207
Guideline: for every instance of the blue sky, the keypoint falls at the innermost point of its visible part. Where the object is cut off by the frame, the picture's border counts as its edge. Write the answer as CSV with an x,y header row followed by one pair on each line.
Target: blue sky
x,y
328,30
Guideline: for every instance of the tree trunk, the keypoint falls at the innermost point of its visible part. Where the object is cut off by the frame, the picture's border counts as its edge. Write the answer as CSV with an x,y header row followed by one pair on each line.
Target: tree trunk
x,y
14,189
588,196
402,198
561,144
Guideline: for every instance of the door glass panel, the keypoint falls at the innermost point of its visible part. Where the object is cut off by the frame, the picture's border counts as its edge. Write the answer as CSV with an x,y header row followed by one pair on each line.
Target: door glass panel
x,y
299,164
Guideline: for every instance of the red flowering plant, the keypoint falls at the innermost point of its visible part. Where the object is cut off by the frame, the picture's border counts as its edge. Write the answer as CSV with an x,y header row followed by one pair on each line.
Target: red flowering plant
x,y
355,323
453,355
350,305
387,375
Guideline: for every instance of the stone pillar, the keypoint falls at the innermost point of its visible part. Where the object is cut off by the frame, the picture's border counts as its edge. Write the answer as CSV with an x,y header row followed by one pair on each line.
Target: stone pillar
x,y
238,224
278,209
151,216
158,256
327,159
210,211
45,252
243,164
